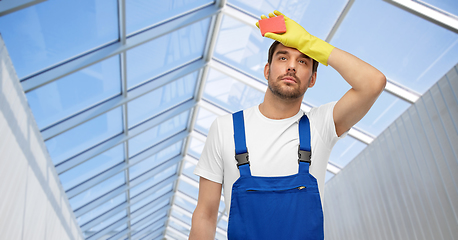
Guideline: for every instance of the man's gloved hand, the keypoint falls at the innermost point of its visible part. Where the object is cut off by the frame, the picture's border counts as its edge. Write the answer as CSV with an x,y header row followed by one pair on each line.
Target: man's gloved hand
x,y
297,37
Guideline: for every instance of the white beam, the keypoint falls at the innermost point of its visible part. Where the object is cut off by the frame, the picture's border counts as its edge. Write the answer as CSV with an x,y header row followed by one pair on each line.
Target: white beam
x,y
428,12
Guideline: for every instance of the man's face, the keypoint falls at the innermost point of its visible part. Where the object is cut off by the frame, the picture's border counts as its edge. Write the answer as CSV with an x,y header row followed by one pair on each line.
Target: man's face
x,y
290,73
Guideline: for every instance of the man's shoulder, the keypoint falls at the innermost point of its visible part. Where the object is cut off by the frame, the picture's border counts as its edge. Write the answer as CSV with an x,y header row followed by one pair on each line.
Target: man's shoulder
x,y
320,110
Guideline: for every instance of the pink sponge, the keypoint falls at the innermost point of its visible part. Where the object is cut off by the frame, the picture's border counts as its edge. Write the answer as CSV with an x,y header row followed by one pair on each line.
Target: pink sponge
x,y
273,25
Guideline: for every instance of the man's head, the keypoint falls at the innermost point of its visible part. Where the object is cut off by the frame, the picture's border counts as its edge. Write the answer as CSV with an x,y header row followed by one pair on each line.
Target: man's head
x,y
273,48
289,72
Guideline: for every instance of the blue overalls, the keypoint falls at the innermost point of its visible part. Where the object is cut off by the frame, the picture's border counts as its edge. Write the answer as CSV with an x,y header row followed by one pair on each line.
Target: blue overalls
x,y
277,208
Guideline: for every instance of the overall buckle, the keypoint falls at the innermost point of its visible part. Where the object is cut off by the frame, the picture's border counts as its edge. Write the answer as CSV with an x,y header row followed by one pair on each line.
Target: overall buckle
x,y
304,156
242,159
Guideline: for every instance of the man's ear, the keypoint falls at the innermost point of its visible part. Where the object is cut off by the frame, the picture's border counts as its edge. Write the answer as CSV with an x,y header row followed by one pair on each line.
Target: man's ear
x,y
266,71
312,80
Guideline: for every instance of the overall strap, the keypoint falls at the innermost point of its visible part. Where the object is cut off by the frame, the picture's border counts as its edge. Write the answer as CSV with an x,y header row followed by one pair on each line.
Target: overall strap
x,y
304,153
241,151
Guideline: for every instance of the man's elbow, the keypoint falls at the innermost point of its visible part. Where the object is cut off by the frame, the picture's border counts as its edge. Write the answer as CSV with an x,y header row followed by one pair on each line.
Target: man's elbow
x,y
378,83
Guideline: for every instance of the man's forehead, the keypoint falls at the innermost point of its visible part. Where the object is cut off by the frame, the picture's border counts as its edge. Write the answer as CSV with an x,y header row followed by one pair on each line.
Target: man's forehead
x,y
282,49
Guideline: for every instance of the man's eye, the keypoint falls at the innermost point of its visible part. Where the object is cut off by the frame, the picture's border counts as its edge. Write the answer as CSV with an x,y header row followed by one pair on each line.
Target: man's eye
x,y
282,58
301,61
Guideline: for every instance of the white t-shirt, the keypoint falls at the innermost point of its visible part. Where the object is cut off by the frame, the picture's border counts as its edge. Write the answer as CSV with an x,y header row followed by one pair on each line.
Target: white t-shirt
x,y
272,147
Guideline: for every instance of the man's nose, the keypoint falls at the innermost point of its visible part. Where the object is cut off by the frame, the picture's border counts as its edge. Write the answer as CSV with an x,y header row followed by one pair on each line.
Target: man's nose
x,y
291,67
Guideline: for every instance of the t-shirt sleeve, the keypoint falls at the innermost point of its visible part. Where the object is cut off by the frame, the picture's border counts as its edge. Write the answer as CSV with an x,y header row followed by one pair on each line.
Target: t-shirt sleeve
x,y
326,127
210,165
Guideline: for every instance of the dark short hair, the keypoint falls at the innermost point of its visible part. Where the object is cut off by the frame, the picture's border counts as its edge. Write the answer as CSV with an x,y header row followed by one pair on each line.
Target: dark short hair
x,y
272,50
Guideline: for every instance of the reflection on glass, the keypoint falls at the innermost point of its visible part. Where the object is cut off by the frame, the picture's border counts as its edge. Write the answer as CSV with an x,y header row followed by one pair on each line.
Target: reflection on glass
x,y
229,93
152,181
222,224
60,99
107,222
179,227
181,216
204,120
184,204
156,212
85,136
151,198
161,99
92,167
53,31
89,216
155,160
188,169
97,191
195,147
141,14
346,150
154,58
188,189
158,133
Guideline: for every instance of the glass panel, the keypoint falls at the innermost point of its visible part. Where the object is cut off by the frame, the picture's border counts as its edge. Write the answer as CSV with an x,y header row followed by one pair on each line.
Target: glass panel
x,y
188,189
182,217
305,12
85,136
161,99
151,198
152,181
83,219
141,14
195,147
220,236
62,98
230,93
328,176
222,224
162,206
179,227
450,6
329,87
204,120
116,231
346,150
184,204
386,109
107,222
53,31
97,191
147,228
92,167
164,53
407,49
155,160
188,169
158,133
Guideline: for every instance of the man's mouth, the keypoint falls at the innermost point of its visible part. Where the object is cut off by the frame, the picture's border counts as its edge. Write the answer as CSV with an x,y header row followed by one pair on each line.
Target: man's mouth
x,y
289,79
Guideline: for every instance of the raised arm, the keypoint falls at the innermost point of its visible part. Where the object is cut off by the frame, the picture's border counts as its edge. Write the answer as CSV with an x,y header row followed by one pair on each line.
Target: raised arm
x,y
366,81
206,213
367,84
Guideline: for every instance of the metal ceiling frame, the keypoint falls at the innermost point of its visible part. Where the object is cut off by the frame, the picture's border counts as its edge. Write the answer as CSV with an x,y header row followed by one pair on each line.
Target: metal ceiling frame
x,y
428,12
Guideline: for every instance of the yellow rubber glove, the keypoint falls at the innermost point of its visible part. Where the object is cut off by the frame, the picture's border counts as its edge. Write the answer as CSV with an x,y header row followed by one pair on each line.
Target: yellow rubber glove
x,y
297,37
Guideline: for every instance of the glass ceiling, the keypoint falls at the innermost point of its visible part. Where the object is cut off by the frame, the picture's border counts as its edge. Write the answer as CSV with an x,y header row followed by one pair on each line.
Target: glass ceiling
x,y
124,92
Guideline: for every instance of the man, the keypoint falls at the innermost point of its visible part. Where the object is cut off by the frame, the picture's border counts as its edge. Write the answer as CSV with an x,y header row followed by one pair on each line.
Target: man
x,y
271,129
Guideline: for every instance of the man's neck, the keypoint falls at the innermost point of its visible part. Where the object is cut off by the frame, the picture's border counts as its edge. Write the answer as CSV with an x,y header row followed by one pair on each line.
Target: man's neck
x,y
274,107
